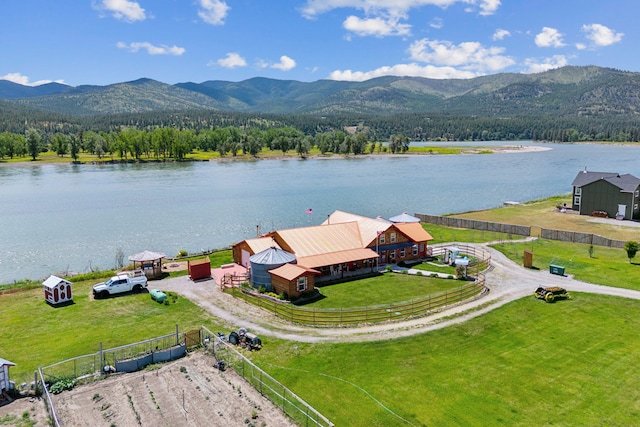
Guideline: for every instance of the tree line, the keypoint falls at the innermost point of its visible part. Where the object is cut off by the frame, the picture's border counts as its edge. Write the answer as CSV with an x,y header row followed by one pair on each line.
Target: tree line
x,y
168,143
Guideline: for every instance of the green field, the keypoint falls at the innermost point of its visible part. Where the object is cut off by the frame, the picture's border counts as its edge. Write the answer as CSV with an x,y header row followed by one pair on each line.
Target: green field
x,y
572,363
385,289
605,266
36,333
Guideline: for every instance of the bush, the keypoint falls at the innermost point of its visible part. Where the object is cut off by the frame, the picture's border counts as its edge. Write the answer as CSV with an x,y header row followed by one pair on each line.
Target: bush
x,y
284,296
183,253
62,385
262,289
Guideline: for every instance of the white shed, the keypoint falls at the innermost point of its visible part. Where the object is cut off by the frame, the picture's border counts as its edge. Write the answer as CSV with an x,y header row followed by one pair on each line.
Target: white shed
x,y
5,384
57,290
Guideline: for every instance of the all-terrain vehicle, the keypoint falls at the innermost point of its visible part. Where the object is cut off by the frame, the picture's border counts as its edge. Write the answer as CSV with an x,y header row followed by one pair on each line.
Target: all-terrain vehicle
x,y
551,293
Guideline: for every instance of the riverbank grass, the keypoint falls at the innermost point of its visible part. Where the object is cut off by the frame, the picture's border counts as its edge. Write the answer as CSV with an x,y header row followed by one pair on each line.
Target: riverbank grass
x,y
527,363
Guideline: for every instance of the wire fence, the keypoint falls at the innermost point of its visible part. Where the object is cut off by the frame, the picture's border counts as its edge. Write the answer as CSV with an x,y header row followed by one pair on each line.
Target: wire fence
x,y
283,398
90,365
48,402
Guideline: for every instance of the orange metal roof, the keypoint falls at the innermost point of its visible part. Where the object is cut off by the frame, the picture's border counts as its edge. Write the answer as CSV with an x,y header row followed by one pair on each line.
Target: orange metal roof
x,y
369,227
291,271
414,231
341,257
320,239
259,244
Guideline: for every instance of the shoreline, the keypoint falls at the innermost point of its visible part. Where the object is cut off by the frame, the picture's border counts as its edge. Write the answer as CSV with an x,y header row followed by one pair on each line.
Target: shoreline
x,y
506,149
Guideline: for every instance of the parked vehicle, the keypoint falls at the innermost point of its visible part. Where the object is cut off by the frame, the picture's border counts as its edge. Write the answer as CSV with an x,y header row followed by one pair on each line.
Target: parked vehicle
x,y
125,281
245,339
551,293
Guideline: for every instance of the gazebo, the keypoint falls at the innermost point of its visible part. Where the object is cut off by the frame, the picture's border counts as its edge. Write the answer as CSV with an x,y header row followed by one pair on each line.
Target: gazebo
x,y
404,217
150,262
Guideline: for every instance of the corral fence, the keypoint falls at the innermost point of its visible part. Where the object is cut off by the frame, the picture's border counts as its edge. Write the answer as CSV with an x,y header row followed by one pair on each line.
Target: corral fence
x,y
328,317
283,398
521,230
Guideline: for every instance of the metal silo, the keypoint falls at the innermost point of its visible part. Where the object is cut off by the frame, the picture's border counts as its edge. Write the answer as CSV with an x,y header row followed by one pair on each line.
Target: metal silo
x,y
267,260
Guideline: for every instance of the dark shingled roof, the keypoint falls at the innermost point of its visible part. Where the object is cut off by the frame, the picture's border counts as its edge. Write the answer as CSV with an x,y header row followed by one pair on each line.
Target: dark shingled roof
x,y
626,183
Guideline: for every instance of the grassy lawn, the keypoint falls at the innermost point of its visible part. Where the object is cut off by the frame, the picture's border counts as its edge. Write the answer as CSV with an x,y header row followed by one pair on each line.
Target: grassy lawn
x,y
443,234
35,333
543,213
527,363
385,289
607,266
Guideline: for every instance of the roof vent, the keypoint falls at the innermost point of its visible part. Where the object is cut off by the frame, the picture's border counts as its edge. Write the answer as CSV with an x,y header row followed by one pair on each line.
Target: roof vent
x,y
585,170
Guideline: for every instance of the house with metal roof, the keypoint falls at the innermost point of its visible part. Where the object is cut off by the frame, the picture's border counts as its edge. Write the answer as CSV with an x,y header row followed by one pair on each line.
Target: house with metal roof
x,y
617,195
344,246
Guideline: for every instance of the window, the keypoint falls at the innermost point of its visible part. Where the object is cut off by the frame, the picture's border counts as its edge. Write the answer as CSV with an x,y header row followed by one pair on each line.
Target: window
x,y
381,239
402,253
302,283
576,200
578,191
635,207
637,193
414,250
393,237
392,255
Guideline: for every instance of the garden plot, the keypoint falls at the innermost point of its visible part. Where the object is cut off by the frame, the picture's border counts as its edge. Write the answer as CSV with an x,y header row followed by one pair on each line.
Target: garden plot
x,y
188,391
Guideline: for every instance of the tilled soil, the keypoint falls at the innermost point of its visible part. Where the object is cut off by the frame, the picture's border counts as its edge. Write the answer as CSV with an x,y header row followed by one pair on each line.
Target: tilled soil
x,y
186,392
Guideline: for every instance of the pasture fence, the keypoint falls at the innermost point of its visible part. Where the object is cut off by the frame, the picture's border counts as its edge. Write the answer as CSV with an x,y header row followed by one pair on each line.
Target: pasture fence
x,y
521,230
283,398
353,316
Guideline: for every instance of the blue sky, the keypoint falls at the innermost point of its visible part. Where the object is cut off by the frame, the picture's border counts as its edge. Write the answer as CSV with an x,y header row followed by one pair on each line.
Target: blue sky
x,y
110,41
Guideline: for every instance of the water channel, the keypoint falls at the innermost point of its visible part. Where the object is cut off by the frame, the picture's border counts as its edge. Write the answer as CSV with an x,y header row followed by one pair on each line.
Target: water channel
x,y
56,218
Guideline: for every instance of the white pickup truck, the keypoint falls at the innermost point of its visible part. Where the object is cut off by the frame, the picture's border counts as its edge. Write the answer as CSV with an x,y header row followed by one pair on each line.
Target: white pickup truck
x,y
125,281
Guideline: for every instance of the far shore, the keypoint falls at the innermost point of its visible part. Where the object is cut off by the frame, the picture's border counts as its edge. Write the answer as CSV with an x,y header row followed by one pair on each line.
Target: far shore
x,y
246,158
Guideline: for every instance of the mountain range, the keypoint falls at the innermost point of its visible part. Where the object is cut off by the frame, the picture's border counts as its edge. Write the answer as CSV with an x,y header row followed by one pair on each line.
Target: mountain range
x,y
568,92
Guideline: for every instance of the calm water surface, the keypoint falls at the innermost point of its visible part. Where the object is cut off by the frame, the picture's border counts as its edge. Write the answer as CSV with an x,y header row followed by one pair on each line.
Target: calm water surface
x,y
57,218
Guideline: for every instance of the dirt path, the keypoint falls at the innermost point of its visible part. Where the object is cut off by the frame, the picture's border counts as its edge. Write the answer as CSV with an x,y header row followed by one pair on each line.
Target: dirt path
x,y
507,281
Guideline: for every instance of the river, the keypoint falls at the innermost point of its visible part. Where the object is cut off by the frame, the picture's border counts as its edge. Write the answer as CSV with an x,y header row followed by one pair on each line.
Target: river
x,y
63,217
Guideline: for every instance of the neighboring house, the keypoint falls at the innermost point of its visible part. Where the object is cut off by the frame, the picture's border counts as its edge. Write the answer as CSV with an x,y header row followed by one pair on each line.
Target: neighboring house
x,y
345,245
617,195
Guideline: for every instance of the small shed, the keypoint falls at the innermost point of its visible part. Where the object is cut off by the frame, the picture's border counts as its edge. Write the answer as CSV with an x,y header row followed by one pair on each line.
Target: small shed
x,y
57,290
199,269
150,263
5,384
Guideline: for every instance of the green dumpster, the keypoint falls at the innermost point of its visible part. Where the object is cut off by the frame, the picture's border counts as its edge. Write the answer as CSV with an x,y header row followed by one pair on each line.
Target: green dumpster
x,y
556,269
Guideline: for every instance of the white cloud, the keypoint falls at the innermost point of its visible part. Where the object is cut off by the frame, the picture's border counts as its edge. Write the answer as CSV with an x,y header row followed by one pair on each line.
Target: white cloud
x,y
549,37
24,80
601,35
213,11
533,66
313,8
285,63
124,10
436,23
152,49
581,46
469,56
412,70
500,34
232,60
378,27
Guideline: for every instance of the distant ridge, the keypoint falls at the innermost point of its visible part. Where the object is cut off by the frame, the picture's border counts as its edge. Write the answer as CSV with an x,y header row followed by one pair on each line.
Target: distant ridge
x,y
569,91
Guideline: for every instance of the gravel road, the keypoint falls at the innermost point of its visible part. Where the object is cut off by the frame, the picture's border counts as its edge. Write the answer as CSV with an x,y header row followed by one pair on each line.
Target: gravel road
x,y
506,280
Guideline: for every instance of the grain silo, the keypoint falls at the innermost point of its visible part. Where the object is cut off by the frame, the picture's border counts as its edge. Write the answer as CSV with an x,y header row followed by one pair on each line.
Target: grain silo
x,y
267,260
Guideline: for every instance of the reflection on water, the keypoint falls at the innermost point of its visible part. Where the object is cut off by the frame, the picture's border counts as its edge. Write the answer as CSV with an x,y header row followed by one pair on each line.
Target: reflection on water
x,y
75,217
